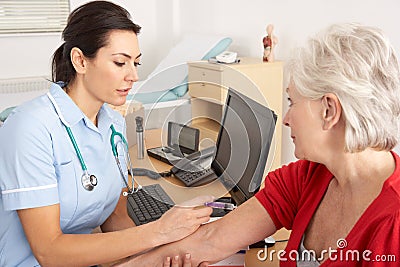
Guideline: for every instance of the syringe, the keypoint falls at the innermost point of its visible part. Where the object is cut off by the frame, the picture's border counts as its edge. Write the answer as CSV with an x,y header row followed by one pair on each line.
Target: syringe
x,y
220,205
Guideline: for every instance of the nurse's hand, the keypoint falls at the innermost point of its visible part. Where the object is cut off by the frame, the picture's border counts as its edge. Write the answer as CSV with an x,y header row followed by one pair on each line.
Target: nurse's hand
x,y
183,219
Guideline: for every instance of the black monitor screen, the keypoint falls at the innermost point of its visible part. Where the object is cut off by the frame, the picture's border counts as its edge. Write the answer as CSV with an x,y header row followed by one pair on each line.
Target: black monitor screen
x,y
243,145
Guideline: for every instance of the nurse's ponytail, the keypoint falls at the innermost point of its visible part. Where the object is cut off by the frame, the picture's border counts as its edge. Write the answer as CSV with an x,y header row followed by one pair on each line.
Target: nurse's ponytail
x,y
88,29
62,69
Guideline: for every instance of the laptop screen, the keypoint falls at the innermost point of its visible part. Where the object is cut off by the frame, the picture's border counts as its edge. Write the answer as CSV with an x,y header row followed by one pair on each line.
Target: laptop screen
x,y
243,145
183,137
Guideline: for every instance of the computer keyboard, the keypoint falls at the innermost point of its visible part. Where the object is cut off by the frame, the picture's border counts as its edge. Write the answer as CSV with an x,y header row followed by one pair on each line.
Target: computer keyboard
x,y
195,177
148,204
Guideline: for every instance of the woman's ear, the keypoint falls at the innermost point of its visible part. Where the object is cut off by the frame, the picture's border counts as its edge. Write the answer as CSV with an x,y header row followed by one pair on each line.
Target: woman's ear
x,y
78,60
332,110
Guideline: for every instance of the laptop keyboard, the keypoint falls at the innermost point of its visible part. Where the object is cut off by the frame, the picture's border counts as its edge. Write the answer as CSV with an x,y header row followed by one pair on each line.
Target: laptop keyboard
x,y
148,204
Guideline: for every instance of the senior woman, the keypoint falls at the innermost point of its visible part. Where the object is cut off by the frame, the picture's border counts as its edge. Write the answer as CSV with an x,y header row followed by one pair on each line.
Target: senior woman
x,y
342,195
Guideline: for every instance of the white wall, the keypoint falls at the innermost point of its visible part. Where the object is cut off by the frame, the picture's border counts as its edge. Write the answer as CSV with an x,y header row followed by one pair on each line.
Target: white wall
x,y
25,56
165,21
30,55
245,22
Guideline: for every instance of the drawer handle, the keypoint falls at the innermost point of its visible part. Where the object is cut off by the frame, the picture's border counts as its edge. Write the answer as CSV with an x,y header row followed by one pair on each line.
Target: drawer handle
x,y
203,73
203,84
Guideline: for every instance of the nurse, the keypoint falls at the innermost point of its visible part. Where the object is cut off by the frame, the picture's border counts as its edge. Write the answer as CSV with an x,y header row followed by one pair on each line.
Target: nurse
x,y
47,216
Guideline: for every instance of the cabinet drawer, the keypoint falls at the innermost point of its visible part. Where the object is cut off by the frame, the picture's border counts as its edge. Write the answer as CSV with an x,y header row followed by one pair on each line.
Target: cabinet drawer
x,y
208,92
206,83
206,75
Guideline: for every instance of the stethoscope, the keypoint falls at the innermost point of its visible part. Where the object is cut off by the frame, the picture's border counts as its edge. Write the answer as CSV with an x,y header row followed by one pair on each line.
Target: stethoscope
x,y
128,161
89,181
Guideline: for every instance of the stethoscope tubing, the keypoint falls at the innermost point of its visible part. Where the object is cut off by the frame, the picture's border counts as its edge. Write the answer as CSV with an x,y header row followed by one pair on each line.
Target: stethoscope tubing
x,y
114,145
75,145
128,163
68,128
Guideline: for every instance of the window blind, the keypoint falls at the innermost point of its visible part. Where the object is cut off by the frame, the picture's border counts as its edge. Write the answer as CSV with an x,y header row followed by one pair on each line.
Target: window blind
x,y
31,16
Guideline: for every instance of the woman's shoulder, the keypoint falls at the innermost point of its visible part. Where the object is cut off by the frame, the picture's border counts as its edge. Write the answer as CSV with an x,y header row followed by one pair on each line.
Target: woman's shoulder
x,y
386,207
32,114
31,124
301,176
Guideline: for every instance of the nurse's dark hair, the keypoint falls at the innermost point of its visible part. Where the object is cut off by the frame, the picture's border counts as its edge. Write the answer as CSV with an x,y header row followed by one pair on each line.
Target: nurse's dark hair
x,y
88,29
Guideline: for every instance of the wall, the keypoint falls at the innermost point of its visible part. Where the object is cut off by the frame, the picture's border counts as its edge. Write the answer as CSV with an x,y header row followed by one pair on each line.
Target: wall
x,y
29,55
294,21
157,36
165,21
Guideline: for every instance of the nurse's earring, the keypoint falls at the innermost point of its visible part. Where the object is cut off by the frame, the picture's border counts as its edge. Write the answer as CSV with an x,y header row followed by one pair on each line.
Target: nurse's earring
x,y
89,181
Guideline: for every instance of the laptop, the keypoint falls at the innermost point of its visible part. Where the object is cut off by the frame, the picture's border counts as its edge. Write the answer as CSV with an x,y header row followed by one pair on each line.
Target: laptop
x,y
182,141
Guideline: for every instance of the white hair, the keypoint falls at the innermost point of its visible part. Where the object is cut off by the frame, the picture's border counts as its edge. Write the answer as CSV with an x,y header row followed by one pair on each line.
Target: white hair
x,y
358,64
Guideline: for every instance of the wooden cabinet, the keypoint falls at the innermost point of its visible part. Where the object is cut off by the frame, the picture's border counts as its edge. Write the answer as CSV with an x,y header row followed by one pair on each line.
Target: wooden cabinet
x,y
261,81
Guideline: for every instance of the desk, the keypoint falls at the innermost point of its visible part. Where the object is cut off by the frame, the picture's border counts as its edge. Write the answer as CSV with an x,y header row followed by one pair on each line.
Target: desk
x,y
178,192
174,188
251,258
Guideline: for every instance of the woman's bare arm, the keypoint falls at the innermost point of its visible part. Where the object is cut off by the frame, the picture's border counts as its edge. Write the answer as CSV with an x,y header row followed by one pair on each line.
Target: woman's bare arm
x,y
215,241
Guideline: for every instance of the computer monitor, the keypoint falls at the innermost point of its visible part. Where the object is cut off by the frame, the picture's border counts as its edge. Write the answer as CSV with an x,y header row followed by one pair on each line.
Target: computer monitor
x,y
243,145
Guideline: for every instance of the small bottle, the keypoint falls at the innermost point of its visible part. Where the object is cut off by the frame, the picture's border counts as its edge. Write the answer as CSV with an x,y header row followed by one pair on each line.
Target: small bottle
x,y
139,136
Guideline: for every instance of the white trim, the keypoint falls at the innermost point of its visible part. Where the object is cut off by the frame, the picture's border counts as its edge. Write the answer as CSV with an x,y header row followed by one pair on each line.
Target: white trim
x,y
166,104
58,111
42,187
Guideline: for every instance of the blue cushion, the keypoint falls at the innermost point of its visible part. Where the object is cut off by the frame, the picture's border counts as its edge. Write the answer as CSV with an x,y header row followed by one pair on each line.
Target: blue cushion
x,y
181,90
4,114
153,97
216,50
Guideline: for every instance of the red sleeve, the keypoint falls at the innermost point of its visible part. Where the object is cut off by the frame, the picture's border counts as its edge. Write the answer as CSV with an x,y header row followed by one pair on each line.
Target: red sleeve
x,y
282,192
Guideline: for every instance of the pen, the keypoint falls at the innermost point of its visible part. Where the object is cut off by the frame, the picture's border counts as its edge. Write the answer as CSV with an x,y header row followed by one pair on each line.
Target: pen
x,y
220,205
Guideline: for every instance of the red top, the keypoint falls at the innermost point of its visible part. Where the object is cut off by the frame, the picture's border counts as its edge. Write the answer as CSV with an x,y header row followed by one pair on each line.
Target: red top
x,y
292,194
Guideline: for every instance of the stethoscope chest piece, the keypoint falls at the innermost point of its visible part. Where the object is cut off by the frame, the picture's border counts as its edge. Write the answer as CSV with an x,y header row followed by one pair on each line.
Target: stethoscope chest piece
x,y
89,181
